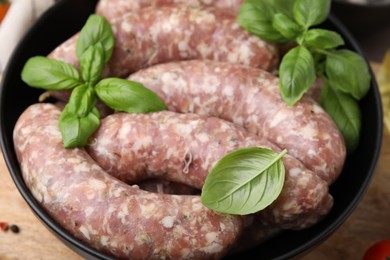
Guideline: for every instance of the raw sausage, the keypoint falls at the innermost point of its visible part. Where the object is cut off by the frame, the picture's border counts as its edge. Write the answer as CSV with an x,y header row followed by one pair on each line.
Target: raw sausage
x,y
112,9
184,147
110,215
250,97
172,33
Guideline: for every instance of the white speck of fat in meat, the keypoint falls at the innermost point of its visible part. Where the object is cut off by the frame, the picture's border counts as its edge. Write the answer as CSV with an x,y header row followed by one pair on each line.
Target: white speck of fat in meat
x,y
123,213
127,27
148,210
142,141
204,49
222,226
277,119
321,168
212,249
104,240
182,129
88,211
183,46
85,232
233,57
196,205
172,80
303,181
203,137
100,185
211,237
82,167
168,221
317,109
245,54
289,205
294,171
228,91
203,18
308,132
235,26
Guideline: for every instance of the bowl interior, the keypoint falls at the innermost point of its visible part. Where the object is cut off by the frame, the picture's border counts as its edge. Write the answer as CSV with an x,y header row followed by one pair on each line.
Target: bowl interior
x,y
66,18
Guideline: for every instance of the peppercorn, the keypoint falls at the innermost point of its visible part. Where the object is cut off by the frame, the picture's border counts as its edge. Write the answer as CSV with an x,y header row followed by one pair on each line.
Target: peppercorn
x,y
14,228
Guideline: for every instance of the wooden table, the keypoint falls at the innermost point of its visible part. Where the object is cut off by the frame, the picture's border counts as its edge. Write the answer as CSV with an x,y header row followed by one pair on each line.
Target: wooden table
x,y
367,224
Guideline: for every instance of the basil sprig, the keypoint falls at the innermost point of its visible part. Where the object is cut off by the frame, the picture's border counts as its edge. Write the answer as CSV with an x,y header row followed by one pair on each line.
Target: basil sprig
x,y
344,72
244,181
80,117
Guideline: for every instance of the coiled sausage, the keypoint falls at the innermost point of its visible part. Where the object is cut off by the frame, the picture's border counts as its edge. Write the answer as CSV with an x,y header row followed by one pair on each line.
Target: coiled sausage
x,y
250,97
106,213
112,9
184,147
172,33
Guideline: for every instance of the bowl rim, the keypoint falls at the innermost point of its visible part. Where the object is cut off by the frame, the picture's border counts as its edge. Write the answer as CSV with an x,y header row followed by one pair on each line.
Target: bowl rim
x,y
82,249
368,4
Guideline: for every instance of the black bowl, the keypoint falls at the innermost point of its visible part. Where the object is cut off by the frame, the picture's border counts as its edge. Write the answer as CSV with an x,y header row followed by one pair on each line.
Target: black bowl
x,y
66,18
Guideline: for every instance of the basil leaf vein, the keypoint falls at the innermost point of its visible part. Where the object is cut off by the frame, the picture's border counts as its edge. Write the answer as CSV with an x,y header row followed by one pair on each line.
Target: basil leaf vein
x,y
91,63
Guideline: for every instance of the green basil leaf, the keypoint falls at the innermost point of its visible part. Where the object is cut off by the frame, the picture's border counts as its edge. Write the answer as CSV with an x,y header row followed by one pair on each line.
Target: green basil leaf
x,y
311,12
96,30
345,112
76,129
128,96
287,27
296,73
321,38
91,63
49,74
285,7
82,100
256,18
244,181
348,72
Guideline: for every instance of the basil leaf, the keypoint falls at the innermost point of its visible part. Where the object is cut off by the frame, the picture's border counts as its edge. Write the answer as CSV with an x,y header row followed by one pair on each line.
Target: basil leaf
x,y
320,38
82,100
256,18
49,74
285,7
345,112
75,129
311,12
91,63
348,72
297,74
128,96
244,181
96,30
287,27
